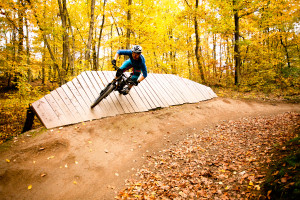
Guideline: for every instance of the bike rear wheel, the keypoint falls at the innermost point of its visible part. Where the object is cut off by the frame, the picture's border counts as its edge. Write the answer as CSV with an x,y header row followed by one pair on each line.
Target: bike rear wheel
x,y
105,92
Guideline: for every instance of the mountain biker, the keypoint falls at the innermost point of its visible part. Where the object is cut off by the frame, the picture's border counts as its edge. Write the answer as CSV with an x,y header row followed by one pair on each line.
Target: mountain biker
x,y
136,61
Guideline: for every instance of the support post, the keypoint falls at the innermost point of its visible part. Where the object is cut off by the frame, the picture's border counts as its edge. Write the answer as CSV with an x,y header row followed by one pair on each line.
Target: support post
x,y
29,119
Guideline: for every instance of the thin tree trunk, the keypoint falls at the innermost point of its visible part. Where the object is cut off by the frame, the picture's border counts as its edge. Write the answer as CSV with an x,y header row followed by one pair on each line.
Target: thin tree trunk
x,y
63,15
100,35
286,52
237,55
197,52
21,30
214,55
89,43
43,66
128,25
28,52
71,56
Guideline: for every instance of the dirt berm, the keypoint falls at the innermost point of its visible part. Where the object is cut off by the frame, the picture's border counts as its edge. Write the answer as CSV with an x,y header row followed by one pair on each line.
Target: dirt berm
x,y
92,160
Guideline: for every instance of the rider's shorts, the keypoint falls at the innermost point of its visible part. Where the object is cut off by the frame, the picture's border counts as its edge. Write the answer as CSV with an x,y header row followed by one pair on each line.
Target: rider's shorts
x,y
136,72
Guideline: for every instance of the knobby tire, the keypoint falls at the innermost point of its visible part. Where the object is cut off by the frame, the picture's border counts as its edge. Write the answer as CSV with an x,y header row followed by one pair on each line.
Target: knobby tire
x,y
104,95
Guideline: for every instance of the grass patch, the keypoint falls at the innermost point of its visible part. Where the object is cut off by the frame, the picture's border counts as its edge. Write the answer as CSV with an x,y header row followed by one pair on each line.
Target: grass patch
x,y
13,114
283,178
277,96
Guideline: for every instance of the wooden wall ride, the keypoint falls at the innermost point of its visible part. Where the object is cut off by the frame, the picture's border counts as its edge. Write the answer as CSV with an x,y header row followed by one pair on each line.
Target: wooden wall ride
x,y
70,103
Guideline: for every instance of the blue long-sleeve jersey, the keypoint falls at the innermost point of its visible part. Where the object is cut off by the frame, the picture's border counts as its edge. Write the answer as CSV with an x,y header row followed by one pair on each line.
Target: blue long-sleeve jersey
x,y
139,64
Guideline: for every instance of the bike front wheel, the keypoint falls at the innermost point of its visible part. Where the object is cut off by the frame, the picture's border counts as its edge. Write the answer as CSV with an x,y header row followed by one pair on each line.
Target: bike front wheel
x,y
103,94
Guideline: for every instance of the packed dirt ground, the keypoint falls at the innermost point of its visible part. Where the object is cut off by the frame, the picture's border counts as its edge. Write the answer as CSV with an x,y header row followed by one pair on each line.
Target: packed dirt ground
x,y
96,160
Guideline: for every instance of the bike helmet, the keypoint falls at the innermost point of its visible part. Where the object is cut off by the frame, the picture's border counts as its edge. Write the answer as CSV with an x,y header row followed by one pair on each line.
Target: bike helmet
x,y
137,49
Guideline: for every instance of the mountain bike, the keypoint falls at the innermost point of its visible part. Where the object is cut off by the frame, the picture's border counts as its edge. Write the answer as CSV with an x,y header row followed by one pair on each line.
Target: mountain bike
x,y
117,84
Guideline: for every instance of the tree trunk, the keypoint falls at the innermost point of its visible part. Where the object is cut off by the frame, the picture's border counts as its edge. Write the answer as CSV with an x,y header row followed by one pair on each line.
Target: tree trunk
x,y
46,42
21,30
128,25
100,35
63,15
28,51
237,55
71,56
286,51
214,55
197,52
43,66
89,43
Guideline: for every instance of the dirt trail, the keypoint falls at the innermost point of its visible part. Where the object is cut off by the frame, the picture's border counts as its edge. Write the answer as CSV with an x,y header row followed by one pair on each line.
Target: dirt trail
x,y
92,160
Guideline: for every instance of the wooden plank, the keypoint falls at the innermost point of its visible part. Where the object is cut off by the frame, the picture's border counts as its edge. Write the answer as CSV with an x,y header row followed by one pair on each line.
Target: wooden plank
x,y
111,105
86,108
112,96
188,95
100,109
122,99
204,90
201,88
46,114
96,94
139,102
65,109
57,110
212,92
122,102
87,101
188,89
110,75
172,82
161,90
152,95
196,92
161,84
156,91
143,95
69,104
75,102
176,96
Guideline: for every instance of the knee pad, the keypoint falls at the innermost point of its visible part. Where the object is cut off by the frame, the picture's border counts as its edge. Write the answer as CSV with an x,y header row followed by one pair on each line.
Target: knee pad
x,y
119,72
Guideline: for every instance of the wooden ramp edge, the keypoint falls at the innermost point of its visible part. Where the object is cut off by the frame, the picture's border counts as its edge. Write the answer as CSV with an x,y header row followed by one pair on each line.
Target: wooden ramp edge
x,y
70,103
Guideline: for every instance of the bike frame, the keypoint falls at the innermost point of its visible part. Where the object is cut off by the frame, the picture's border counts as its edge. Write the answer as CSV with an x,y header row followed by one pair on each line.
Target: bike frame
x,y
116,84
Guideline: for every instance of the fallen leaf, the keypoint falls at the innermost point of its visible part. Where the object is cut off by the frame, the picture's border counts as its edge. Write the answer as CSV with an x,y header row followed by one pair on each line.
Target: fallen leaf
x,y
257,187
275,173
29,187
268,194
283,179
7,160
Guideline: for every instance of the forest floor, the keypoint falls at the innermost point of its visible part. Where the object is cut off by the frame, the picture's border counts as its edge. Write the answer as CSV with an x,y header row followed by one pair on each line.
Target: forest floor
x,y
216,149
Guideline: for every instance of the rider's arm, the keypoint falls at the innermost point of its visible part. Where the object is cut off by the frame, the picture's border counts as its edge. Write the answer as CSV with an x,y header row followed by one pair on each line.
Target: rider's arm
x,y
144,70
116,56
141,79
122,52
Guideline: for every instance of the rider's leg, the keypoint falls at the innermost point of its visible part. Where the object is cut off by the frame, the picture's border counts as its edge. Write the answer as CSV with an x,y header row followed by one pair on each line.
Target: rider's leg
x,y
134,78
125,66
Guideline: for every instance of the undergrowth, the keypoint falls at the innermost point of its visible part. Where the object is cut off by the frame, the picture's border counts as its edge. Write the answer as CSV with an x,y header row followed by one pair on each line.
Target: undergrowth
x,y
14,104
283,178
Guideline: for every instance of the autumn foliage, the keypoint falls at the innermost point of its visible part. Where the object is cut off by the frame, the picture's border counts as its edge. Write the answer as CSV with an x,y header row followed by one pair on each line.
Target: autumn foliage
x,y
253,44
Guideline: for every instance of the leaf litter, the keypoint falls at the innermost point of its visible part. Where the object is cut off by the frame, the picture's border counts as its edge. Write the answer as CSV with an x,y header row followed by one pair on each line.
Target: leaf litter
x,y
229,161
